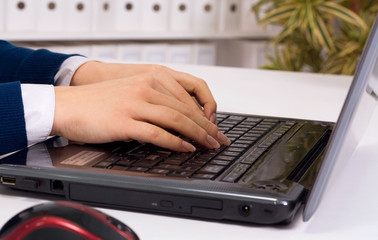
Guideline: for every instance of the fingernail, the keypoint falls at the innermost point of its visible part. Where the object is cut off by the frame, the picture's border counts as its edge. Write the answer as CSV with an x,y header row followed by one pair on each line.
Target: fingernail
x,y
213,118
223,139
188,146
213,142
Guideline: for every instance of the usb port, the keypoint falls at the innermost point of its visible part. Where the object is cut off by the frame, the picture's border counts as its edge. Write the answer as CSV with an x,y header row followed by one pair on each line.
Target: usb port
x,y
8,180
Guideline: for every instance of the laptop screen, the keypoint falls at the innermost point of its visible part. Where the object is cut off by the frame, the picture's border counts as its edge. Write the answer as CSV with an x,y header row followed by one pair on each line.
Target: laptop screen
x,y
353,120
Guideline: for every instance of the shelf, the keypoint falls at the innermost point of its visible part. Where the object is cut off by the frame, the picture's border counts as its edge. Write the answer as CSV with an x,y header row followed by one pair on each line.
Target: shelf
x,y
133,36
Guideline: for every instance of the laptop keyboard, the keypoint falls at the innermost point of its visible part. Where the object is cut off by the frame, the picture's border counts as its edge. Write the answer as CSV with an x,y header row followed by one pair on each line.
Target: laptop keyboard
x,y
254,134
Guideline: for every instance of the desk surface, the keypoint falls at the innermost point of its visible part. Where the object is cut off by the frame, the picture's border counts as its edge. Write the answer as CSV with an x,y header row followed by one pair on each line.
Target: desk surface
x,y
349,209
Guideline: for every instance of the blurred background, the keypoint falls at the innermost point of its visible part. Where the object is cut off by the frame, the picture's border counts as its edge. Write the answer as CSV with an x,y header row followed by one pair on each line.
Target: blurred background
x,y
294,35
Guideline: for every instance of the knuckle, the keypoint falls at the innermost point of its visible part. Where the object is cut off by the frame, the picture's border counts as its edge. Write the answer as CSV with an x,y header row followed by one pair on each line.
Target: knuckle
x,y
202,82
141,90
176,117
157,68
153,134
211,128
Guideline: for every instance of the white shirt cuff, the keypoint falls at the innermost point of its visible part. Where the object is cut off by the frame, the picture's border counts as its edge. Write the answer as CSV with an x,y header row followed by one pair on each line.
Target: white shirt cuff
x,y
39,108
39,101
67,69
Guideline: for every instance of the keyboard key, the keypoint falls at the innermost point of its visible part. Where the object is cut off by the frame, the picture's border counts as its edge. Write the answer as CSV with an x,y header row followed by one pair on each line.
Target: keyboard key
x,y
204,175
253,156
226,158
172,162
159,171
168,166
137,169
125,162
211,168
229,153
146,163
239,145
248,142
118,167
253,119
103,164
220,162
196,162
181,174
235,149
189,168
236,173
137,153
237,118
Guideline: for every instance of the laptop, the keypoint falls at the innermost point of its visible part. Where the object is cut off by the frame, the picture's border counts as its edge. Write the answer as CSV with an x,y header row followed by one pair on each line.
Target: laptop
x,y
272,167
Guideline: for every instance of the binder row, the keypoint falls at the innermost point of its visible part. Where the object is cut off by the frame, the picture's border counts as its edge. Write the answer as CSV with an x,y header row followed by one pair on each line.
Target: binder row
x,y
235,53
182,52
82,16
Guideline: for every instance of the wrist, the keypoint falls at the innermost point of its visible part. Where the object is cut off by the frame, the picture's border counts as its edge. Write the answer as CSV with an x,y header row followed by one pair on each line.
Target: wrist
x,y
89,72
61,99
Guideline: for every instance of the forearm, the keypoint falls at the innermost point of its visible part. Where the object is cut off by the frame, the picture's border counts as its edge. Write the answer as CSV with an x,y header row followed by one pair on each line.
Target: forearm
x,y
94,71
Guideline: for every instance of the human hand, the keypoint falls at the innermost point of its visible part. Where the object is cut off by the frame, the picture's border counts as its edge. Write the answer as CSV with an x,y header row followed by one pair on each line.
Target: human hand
x,y
93,72
140,108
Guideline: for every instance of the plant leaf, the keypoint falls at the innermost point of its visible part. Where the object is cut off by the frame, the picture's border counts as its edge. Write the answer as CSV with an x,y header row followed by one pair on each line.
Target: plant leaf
x,y
277,15
322,34
341,12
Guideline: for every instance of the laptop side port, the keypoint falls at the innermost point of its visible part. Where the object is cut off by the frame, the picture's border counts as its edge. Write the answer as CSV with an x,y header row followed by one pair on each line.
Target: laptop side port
x,y
57,186
6,180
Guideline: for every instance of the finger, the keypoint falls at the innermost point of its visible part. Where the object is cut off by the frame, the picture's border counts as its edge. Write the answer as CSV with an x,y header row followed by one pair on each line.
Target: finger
x,y
177,90
159,99
145,78
148,133
169,118
198,88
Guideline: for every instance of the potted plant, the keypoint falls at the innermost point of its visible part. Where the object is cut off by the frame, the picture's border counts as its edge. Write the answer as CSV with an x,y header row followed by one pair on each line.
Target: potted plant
x,y
317,35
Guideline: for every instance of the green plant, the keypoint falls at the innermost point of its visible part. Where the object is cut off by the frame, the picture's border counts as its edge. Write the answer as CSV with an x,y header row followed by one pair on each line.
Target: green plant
x,y
317,35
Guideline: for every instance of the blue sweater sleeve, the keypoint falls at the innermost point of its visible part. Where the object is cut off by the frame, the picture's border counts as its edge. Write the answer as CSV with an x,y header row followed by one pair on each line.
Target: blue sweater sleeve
x,y
27,65
21,65
12,122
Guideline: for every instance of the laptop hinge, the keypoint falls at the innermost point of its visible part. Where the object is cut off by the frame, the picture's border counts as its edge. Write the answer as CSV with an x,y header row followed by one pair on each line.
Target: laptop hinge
x,y
310,157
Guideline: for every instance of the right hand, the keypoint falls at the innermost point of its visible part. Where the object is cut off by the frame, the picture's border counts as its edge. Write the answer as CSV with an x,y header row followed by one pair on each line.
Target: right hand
x,y
140,107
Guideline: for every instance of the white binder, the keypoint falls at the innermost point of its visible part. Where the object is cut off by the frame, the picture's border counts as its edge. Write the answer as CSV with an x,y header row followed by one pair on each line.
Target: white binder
x,y
155,15
154,52
129,52
50,15
78,16
2,16
104,15
205,17
229,18
180,15
76,48
20,15
205,53
248,22
104,51
180,53
127,15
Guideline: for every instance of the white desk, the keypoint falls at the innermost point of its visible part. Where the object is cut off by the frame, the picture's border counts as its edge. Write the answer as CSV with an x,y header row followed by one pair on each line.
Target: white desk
x,y
297,95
